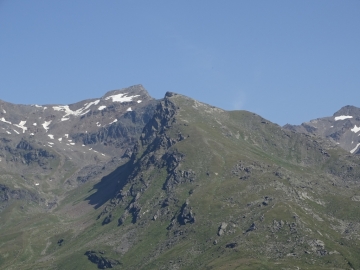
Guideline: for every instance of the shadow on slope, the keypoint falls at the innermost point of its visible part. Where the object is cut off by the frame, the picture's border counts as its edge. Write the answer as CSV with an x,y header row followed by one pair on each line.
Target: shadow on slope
x,y
107,188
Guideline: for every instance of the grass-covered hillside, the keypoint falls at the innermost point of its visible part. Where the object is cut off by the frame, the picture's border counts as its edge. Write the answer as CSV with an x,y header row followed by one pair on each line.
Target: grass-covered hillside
x,y
202,189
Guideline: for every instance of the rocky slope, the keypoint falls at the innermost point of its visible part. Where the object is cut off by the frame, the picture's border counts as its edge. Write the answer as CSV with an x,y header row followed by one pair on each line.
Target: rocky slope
x,y
249,195
342,128
51,149
201,188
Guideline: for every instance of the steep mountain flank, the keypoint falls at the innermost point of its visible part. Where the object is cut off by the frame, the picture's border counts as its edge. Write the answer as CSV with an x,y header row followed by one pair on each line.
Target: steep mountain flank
x,y
200,188
208,188
55,148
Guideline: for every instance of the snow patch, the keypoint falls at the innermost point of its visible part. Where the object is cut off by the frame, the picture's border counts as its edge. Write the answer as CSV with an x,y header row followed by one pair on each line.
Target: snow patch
x,y
50,143
4,111
67,136
21,125
342,117
34,124
355,129
81,111
16,131
46,125
356,147
101,108
37,106
98,124
85,112
113,122
121,98
51,136
8,132
36,184
139,101
32,134
3,120
129,109
60,139
72,143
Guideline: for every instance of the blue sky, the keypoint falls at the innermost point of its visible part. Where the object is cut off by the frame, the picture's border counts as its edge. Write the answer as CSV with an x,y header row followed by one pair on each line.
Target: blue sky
x,y
289,61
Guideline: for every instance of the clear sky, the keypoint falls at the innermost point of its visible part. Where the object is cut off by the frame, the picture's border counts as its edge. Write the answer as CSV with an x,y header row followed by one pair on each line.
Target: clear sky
x,y
289,61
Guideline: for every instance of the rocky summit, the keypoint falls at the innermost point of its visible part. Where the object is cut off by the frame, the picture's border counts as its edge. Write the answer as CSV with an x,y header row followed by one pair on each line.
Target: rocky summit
x,y
129,182
342,128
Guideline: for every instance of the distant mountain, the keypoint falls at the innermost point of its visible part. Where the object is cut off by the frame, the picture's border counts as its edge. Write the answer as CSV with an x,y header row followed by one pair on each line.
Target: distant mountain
x,y
343,128
190,187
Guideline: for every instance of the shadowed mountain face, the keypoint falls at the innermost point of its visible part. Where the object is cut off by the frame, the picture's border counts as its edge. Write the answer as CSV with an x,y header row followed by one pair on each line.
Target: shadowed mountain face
x,y
343,128
102,124
200,188
51,149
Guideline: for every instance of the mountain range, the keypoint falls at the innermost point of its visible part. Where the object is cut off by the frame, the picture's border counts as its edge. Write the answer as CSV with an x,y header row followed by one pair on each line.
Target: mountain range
x,y
129,182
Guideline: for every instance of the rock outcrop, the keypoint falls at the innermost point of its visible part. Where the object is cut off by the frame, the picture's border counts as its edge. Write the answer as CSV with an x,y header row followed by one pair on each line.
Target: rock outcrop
x,y
101,261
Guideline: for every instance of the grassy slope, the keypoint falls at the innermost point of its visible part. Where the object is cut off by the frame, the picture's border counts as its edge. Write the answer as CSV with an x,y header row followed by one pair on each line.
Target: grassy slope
x,y
291,169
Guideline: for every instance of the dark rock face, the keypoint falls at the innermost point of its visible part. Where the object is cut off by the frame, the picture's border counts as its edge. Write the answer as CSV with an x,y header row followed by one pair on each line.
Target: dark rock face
x,y
26,152
251,228
7,194
60,242
186,215
121,133
101,261
39,155
24,144
231,245
81,141
155,145
107,219
111,123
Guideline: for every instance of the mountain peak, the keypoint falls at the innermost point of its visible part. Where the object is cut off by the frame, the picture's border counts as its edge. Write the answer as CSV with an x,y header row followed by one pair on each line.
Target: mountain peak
x,y
348,110
133,90
342,128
